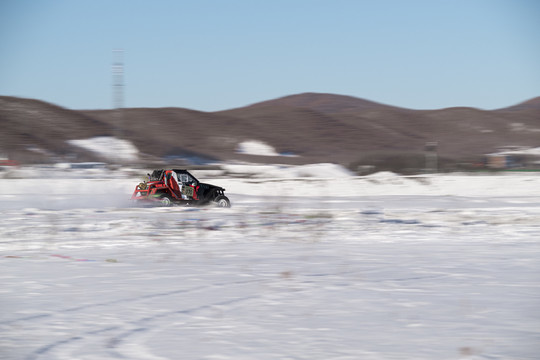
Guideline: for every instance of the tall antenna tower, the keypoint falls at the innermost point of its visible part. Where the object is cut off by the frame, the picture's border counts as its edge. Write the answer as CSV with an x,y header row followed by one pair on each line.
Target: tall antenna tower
x,y
118,90
118,78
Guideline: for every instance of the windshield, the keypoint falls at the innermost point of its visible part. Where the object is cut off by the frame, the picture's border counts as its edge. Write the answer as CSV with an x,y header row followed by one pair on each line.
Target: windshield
x,y
186,178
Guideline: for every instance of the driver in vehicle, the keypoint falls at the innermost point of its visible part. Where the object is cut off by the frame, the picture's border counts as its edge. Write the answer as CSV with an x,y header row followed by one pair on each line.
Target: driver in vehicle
x,y
180,185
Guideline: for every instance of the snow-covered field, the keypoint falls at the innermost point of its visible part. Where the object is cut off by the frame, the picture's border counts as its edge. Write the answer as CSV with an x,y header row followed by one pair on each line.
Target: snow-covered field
x,y
377,267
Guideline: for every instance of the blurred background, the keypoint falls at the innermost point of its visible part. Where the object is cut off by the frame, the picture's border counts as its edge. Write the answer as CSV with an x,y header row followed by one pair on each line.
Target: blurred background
x,y
402,86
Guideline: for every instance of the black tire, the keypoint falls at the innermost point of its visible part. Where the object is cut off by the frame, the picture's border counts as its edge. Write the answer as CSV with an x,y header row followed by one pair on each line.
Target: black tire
x,y
222,201
165,201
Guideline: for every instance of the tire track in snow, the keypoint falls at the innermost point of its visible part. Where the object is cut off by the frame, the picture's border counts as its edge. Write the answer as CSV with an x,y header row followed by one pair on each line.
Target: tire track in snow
x,y
113,342
120,301
47,348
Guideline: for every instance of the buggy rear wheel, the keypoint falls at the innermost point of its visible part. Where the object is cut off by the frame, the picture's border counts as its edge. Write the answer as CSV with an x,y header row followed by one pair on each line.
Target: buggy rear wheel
x,y
222,201
165,201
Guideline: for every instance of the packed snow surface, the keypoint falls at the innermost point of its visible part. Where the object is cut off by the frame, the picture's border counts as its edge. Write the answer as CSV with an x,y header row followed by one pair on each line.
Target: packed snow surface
x,y
109,147
376,267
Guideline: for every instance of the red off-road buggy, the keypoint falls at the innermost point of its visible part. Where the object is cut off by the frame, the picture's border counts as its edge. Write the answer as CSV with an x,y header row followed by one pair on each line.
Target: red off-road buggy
x,y
179,187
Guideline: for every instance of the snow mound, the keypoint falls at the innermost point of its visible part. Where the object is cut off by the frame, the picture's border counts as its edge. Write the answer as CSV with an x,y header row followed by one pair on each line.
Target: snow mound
x,y
323,170
284,171
530,151
383,175
254,147
108,147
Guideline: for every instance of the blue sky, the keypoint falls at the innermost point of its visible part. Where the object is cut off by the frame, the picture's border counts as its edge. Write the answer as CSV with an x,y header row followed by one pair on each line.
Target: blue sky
x,y
219,54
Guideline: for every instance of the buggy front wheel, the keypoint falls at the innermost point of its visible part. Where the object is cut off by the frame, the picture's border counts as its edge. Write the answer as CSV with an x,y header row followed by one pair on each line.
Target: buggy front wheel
x,y
222,201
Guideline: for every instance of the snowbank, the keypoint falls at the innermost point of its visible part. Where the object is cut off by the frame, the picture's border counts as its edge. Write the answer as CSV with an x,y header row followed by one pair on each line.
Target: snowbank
x,y
254,147
109,147
429,185
286,171
530,151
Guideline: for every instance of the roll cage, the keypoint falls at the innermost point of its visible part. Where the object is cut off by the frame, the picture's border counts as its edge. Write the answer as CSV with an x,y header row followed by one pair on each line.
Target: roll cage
x,y
177,186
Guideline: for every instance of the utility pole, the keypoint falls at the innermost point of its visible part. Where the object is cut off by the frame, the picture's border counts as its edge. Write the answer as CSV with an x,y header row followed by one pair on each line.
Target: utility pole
x,y
431,157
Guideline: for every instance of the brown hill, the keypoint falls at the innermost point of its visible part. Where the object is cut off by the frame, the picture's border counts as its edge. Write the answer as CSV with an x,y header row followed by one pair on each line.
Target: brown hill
x,y
176,132
532,104
325,103
36,131
356,127
315,127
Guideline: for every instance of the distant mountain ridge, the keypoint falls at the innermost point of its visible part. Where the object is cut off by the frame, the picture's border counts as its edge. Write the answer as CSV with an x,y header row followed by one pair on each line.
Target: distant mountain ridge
x,y
325,103
315,127
533,103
